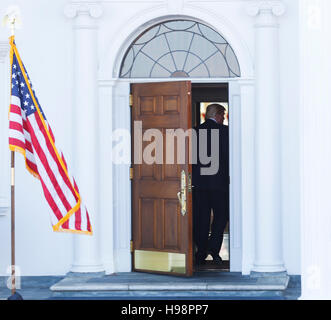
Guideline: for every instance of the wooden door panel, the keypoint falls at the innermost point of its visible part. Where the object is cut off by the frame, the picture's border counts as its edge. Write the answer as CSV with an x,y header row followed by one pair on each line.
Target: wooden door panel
x,y
147,106
171,172
168,122
147,172
146,220
171,225
158,225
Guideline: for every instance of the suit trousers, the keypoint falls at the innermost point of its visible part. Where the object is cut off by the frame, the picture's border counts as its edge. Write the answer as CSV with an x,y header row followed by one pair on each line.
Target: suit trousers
x,y
207,200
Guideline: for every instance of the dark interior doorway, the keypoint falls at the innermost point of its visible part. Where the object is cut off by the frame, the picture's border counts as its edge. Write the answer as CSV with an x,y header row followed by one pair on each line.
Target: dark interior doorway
x,y
204,94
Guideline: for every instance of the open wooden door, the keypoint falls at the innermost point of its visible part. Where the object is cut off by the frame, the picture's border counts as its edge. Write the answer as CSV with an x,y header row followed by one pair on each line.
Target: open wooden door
x,y
161,192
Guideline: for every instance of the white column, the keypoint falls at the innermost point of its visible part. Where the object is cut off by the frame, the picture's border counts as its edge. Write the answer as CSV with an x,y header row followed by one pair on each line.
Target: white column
x,y
106,173
247,125
268,222
85,128
122,183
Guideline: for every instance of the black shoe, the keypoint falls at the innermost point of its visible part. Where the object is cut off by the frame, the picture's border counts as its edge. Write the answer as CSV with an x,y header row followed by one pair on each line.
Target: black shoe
x,y
200,259
217,260
200,262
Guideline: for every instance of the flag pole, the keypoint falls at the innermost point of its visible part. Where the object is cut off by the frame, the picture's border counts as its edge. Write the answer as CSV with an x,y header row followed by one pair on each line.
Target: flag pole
x,y
12,191
13,274
14,295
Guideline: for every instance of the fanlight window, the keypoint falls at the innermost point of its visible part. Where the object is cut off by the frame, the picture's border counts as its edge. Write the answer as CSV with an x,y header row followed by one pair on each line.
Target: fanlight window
x,y
180,48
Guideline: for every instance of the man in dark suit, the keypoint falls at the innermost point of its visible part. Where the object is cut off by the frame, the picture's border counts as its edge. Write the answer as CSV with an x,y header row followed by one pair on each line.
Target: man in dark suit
x,y
211,191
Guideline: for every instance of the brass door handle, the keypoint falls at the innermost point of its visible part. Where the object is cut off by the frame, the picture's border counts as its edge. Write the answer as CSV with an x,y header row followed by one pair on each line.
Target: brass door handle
x,y
182,194
189,187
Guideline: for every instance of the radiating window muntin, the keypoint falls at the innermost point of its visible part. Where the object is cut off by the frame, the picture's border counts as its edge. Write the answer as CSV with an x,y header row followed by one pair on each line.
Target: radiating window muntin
x,y
180,48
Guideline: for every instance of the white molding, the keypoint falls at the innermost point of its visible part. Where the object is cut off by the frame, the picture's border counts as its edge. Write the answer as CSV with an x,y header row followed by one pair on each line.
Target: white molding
x,y
85,268
105,173
141,20
275,7
193,80
175,6
121,184
266,13
74,9
83,14
247,124
107,83
235,178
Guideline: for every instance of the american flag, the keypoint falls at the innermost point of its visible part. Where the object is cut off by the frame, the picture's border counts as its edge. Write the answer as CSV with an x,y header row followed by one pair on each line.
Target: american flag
x,y
31,135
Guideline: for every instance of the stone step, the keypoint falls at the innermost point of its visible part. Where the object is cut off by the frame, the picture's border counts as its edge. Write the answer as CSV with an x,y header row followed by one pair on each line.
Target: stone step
x,y
201,282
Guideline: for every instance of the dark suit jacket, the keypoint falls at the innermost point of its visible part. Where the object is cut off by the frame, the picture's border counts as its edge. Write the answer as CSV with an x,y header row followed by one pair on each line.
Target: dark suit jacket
x,y
219,181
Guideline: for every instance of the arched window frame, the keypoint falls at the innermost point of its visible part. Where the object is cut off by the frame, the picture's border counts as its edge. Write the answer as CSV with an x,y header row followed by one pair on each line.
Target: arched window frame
x,y
229,73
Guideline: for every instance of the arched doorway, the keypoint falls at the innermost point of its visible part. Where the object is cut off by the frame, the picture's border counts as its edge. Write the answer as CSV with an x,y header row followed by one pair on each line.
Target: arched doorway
x,y
142,63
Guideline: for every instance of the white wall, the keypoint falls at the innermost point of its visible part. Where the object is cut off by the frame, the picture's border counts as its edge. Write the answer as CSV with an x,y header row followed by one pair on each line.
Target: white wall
x,y
289,117
45,44
315,29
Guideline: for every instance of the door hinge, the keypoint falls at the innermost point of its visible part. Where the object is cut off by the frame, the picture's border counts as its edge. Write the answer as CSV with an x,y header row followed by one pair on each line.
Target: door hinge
x,y
131,246
131,173
131,100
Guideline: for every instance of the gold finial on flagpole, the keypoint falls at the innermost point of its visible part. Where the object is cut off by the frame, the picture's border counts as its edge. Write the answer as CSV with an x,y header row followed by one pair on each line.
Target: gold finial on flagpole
x,y
12,19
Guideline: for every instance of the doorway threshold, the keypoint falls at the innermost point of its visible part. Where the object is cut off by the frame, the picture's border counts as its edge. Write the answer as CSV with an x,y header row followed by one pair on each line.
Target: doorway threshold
x,y
200,281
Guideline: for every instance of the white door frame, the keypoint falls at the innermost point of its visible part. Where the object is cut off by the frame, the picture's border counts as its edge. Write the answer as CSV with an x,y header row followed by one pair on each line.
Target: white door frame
x,y
122,185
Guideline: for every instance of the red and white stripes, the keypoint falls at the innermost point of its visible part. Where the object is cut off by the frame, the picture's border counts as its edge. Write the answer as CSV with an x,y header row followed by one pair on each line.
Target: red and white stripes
x,y
33,137
19,135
